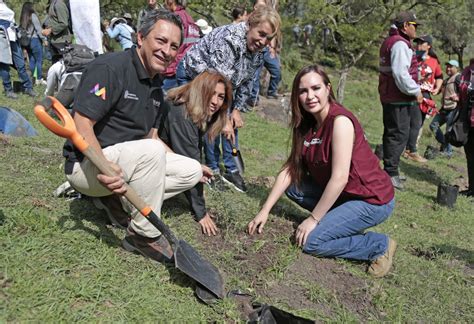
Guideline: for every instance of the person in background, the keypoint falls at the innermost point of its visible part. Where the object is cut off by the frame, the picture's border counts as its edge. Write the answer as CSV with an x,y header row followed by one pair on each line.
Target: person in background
x,y
191,36
235,51
307,33
13,54
398,90
128,17
120,31
296,29
239,14
151,5
204,27
271,61
57,30
333,173
466,100
30,22
194,110
449,102
430,79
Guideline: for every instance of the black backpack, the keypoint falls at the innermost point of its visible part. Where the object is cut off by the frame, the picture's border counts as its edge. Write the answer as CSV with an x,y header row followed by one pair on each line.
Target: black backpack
x,y
457,133
76,57
24,37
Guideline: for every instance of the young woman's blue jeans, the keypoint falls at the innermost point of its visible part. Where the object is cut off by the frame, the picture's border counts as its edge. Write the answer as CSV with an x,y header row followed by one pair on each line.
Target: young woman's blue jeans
x,y
35,54
272,64
444,117
19,62
340,233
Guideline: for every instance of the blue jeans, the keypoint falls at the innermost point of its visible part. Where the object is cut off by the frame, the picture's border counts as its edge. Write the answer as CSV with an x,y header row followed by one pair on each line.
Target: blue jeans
x,y
212,152
35,54
181,77
272,64
340,232
444,117
19,62
169,83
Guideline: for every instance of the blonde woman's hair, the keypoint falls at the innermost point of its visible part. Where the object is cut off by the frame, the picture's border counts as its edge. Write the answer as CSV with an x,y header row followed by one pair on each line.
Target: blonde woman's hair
x,y
265,14
197,96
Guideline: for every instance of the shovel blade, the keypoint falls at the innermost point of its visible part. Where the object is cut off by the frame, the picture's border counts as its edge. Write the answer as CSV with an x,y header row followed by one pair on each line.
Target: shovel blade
x,y
189,261
239,162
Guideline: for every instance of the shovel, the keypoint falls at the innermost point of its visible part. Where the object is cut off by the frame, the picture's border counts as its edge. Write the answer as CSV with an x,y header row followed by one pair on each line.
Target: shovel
x,y
186,258
239,162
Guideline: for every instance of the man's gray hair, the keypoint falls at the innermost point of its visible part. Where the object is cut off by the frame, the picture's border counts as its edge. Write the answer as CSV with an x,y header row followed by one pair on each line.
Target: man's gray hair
x,y
160,14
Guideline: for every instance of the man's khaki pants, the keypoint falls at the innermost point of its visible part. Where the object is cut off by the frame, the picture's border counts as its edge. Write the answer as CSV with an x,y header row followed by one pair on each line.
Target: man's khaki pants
x,y
154,174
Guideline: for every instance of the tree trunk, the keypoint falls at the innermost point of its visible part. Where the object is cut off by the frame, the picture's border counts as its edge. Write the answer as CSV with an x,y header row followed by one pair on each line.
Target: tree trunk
x,y
342,83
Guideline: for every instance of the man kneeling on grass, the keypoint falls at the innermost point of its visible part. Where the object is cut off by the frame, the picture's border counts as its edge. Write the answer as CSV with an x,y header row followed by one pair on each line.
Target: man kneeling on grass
x,y
115,110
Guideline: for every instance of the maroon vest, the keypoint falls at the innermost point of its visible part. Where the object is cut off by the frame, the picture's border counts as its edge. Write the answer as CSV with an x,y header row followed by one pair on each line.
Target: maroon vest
x,y
388,90
367,181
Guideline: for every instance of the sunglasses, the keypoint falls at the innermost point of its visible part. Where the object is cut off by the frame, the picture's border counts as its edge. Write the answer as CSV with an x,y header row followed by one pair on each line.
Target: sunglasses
x,y
412,23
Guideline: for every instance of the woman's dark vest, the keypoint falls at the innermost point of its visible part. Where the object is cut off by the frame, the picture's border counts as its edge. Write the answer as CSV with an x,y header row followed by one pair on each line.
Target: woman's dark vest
x,y
367,181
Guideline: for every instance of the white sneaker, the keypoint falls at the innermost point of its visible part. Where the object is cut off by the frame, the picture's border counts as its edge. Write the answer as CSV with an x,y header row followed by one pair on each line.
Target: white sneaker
x,y
41,82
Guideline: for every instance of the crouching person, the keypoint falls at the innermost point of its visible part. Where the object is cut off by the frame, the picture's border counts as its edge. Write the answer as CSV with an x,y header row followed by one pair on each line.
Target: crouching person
x,y
196,108
116,110
332,172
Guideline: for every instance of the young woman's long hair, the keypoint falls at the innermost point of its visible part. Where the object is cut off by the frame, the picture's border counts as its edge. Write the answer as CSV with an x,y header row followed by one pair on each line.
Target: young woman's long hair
x,y
301,122
26,11
197,96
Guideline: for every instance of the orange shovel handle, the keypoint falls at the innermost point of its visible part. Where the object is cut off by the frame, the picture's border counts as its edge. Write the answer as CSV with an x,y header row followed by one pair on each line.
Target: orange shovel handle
x,y
66,129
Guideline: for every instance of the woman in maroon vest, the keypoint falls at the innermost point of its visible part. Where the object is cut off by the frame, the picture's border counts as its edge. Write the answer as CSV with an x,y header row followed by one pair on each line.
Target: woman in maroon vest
x,y
332,172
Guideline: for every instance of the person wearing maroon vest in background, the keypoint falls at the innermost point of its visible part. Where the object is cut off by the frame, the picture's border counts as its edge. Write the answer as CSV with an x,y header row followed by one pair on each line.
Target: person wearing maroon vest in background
x,y
466,99
333,173
398,90
191,36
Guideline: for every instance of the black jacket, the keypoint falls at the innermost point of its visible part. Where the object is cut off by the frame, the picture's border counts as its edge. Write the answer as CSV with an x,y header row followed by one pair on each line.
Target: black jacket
x,y
184,138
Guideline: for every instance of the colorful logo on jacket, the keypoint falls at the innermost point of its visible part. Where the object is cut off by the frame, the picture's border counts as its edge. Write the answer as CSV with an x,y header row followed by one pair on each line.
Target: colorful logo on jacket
x,y
98,92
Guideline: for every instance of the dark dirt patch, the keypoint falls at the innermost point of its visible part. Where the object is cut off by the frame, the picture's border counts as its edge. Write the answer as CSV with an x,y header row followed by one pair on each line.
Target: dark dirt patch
x,y
253,258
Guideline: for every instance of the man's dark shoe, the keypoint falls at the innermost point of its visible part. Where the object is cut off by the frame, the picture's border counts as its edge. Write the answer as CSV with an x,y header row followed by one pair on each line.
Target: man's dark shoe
x,y
397,183
158,248
272,96
467,193
30,92
11,95
235,180
113,207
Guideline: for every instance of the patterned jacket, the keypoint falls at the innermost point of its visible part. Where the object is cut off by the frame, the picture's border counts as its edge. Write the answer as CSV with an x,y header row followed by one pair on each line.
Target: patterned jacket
x,y
225,50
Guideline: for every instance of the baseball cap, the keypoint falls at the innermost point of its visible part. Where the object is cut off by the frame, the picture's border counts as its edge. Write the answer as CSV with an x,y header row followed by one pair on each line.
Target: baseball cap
x,y
127,15
424,39
453,63
406,16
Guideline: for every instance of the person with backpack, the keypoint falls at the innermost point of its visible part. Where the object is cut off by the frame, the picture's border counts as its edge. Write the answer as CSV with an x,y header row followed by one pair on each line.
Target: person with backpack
x,y
449,100
59,27
191,36
12,54
466,106
30,24
121,31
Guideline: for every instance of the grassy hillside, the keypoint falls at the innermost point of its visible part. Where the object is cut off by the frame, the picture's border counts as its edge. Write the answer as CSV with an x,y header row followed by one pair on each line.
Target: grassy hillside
x,y
61,262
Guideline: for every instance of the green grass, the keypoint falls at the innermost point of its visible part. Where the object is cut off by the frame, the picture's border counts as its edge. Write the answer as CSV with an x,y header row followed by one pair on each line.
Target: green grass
x,y
60,262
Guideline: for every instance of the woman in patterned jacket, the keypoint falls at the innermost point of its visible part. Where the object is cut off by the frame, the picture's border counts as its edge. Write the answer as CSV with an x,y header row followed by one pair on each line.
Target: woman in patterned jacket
x,y
234,50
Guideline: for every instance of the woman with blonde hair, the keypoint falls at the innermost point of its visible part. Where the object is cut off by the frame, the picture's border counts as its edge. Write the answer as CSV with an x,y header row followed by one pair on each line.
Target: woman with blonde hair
x,y
192,110
234,50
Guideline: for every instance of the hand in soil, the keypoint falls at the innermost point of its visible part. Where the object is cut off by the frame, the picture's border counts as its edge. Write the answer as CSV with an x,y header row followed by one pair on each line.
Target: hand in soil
x,y
208,226
304,229
257,223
